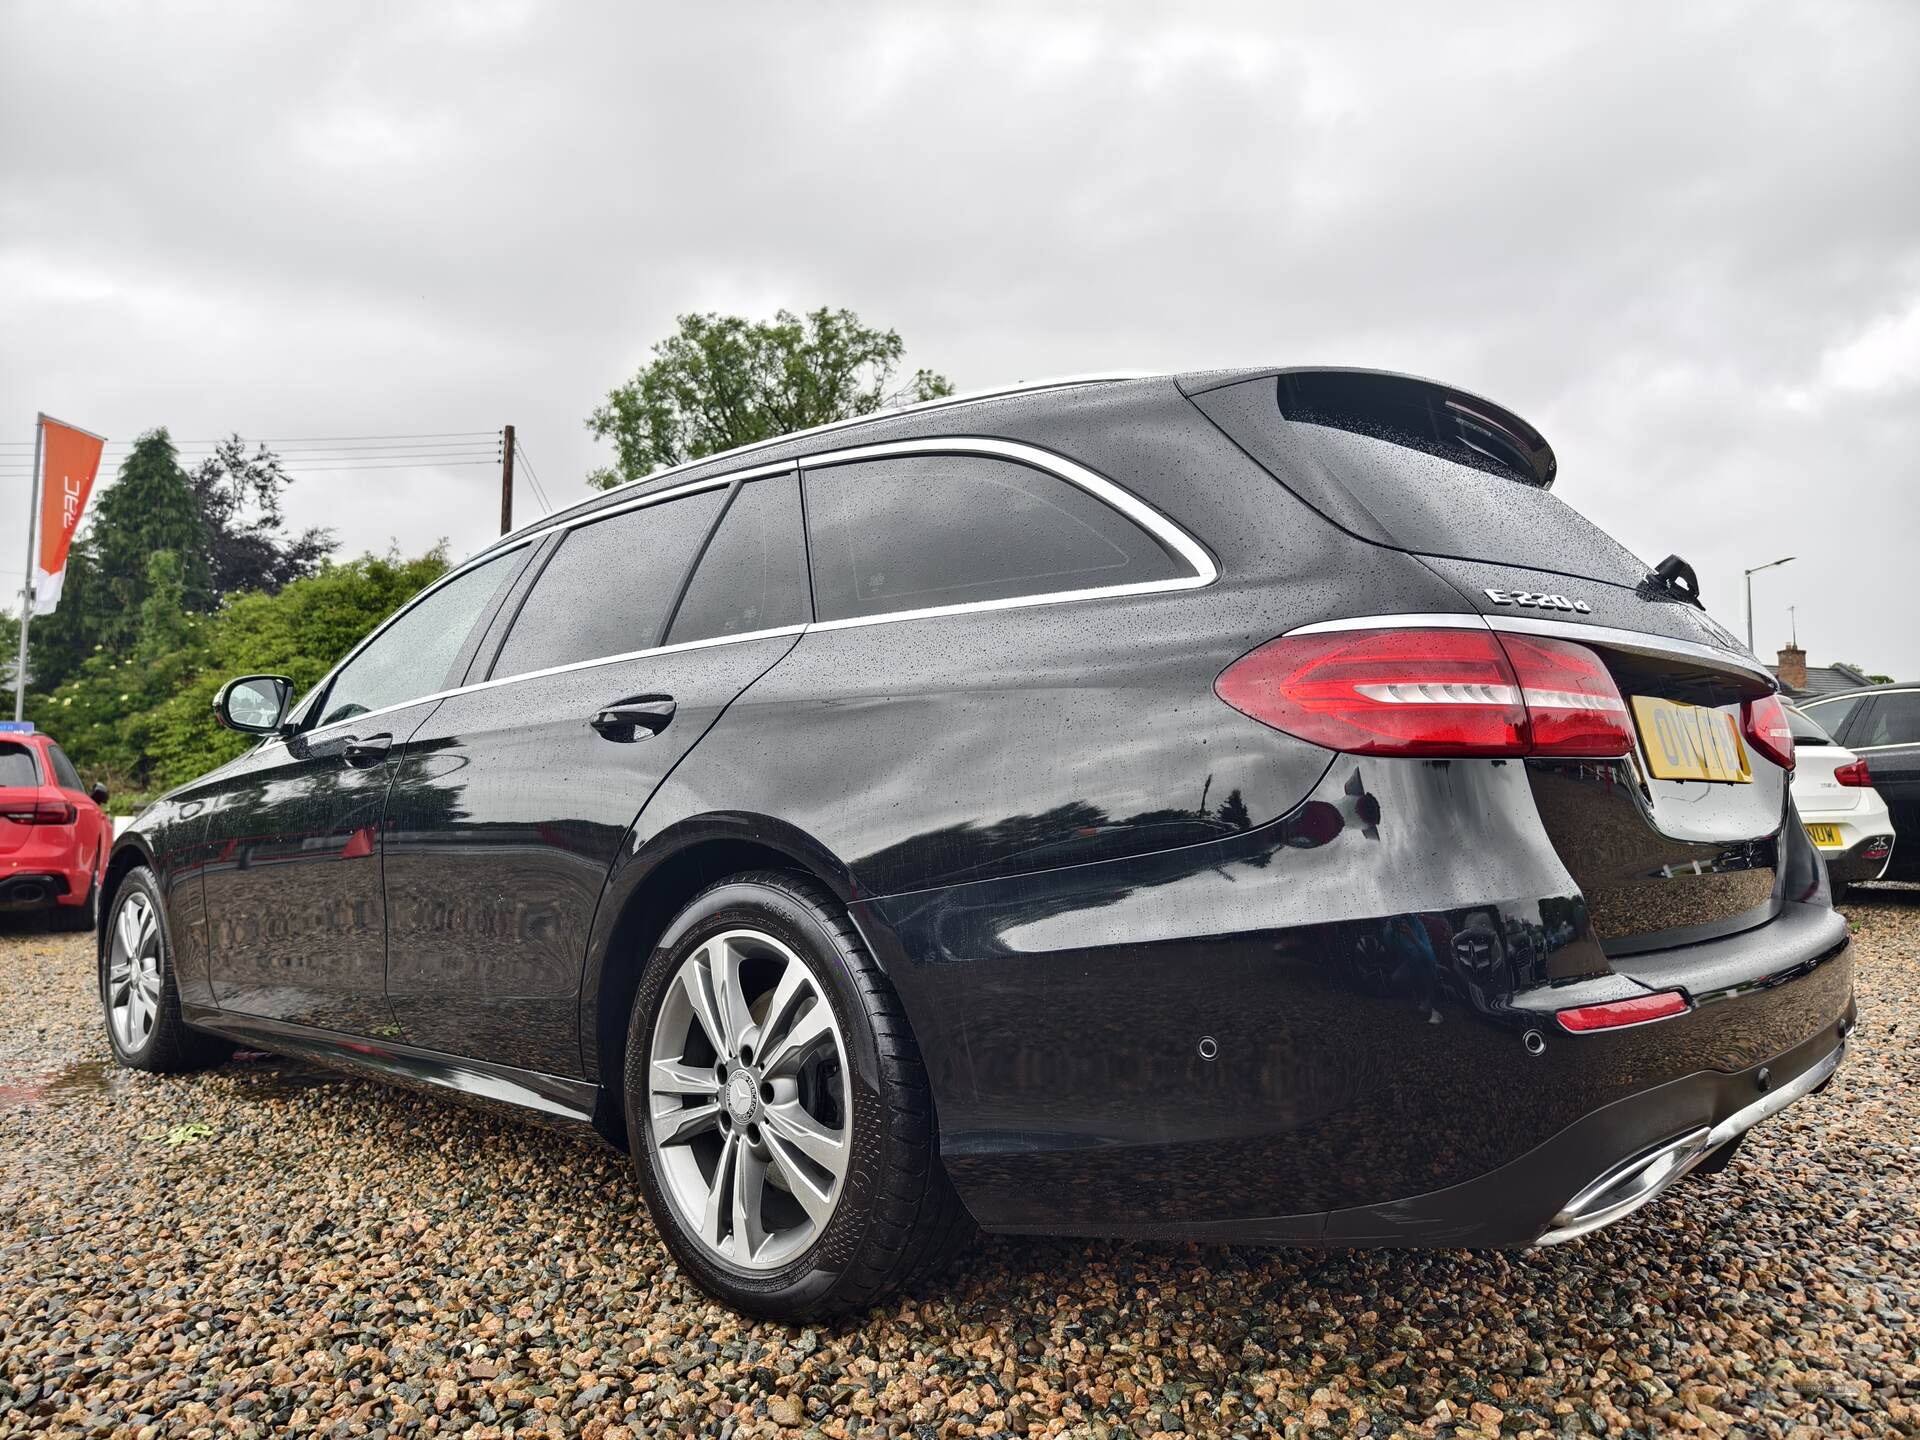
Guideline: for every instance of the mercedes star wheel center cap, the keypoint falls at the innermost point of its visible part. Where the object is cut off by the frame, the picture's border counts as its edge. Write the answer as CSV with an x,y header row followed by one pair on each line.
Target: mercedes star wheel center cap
x,y
740,1097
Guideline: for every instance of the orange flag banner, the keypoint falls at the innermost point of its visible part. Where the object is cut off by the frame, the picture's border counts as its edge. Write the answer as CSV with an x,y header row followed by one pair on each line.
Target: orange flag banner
x,y
72,461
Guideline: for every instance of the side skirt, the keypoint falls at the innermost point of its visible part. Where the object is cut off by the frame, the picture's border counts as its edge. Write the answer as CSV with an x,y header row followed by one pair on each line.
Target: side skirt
x,y
554,1099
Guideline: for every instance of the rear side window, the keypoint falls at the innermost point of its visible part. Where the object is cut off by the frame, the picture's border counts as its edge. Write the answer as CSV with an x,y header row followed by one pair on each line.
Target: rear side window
x,y
607,588
413,655
17,765
753,575
1831,715
1894,720
915,532
63,771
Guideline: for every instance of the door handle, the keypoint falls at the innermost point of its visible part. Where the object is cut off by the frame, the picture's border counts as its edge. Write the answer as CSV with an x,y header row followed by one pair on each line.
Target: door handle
x,y
361,754
624,719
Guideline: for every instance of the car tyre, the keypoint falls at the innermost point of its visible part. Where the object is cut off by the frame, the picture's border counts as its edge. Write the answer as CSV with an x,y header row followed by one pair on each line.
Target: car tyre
x,y
893,1218
139,996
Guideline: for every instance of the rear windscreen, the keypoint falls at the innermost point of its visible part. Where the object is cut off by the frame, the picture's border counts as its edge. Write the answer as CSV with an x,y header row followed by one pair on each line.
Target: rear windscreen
x,y
1438,506
17,766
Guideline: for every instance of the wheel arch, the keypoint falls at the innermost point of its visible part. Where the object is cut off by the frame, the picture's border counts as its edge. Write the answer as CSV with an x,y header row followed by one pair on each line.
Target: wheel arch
x,y
645,890
129,851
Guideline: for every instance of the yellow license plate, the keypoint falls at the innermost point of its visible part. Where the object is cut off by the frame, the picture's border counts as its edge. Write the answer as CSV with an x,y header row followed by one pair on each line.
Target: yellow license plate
x,y
1690,742
1827,837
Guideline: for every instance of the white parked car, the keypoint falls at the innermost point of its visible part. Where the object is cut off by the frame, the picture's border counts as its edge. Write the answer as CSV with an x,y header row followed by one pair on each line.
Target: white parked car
x,y
1845,817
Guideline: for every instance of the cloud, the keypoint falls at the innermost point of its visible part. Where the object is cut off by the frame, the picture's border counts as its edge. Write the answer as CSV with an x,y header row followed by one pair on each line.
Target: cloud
x,y
1679,241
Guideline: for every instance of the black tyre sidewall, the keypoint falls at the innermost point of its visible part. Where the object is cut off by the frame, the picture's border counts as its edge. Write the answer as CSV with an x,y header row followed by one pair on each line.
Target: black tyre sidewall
x,y
762,903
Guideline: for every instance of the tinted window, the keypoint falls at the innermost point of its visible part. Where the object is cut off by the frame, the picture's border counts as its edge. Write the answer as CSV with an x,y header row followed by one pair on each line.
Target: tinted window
x,y
920,531
754,574
607,588
17,766
1806,730
64,774
1832,714
412,656
1894,720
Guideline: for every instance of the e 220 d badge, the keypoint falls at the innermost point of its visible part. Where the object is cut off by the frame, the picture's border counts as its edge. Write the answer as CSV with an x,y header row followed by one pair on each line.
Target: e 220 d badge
x,y
1537,601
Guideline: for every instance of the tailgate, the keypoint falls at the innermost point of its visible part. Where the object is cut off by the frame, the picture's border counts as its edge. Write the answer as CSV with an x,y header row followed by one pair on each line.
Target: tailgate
x,y
1662,859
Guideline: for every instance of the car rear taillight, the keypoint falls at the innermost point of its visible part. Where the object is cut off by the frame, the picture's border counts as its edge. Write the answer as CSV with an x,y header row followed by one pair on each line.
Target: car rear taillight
x,y
1456,693
1765,723
1615,1014
1853,773
41,812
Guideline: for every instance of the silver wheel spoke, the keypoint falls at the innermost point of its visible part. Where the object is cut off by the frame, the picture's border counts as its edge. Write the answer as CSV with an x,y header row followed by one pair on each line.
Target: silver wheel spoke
x,y
671,1077
816,1202
749,1190
723,964
128,927
719,1207
807,1135
674,1127
800,1036
693,984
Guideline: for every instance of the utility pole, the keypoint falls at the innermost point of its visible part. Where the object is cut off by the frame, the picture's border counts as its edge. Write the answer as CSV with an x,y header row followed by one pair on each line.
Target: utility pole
x,y
26,585
506,480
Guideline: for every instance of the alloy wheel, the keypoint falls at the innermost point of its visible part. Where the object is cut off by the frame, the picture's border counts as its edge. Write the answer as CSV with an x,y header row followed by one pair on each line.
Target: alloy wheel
x,y
133,973
746,1100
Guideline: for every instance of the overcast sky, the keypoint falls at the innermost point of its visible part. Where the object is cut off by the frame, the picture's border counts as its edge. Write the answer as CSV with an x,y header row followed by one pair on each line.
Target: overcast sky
x,y
1684,242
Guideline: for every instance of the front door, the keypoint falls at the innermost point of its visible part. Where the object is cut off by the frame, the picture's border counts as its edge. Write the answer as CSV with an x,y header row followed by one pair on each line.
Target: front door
x,y
513,799
294,895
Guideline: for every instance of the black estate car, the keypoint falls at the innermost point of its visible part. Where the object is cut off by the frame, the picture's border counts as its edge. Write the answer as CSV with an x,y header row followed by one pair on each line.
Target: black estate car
x,y
1243,806
1881,724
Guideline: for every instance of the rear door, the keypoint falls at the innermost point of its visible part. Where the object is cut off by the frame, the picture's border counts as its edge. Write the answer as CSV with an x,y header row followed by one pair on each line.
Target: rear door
x,y
512,800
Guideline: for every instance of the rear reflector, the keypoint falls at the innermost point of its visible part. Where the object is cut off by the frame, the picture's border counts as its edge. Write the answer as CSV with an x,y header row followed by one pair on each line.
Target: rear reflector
x,y
1765,722
41,812
1853,773
1454,693
1618,1013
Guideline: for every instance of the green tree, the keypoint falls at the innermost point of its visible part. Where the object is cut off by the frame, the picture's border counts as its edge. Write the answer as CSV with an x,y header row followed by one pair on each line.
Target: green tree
x,y
238,493
723,380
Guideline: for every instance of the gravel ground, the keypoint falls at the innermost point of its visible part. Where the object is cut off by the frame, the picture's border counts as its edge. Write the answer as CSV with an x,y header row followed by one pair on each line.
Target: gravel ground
x,y
263,1249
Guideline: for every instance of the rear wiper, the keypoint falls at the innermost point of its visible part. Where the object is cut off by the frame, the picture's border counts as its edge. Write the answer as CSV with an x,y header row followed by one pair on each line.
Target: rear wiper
x,y
1674,576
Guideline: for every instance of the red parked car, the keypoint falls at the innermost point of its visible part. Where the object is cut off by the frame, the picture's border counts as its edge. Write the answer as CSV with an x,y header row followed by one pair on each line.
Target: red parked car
x,y
54,833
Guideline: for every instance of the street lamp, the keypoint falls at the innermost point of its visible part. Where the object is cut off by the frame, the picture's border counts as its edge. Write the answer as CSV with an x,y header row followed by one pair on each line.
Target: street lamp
x,y
1749,574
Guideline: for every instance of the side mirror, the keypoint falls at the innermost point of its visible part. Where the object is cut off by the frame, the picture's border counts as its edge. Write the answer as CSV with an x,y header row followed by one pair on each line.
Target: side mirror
x,y
253,704
99,793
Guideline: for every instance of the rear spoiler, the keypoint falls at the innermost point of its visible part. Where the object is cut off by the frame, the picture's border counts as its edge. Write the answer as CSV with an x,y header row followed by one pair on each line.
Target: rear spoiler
x,y
1405,408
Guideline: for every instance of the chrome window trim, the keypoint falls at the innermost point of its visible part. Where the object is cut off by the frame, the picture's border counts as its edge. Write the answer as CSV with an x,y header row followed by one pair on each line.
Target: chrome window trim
x,y
566,520
1116,497
944,402
1639,641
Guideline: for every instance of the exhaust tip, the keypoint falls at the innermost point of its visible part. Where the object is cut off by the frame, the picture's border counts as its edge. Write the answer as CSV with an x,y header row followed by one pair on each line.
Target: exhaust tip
x,y
1626,1187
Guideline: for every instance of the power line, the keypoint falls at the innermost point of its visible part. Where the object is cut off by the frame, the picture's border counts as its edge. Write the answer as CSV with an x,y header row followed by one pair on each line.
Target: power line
x,y
533,478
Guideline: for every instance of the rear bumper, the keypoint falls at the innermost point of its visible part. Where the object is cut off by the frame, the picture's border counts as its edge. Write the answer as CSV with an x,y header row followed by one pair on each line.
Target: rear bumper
x,y
33,890
1865,858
